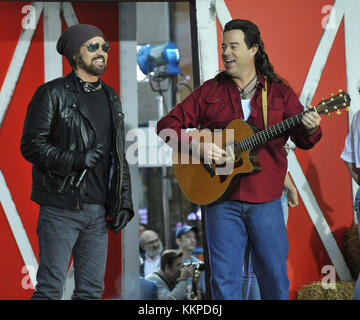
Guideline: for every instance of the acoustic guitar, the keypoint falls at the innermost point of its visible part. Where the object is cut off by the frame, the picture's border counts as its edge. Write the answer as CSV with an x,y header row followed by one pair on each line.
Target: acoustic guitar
x,y
204,182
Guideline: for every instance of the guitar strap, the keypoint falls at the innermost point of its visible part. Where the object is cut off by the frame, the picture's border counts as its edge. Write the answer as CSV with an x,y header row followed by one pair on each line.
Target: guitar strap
x,y
264,103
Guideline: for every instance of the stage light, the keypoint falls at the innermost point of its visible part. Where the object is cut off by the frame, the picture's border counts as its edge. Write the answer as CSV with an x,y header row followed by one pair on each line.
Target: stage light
x,y
159,62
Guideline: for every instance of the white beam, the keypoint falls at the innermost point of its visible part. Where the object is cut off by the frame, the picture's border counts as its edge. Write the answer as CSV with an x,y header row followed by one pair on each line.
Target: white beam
x,y
16,64
69,14
222,13
321,55
18,230
306,96
53,67
129,100
207,37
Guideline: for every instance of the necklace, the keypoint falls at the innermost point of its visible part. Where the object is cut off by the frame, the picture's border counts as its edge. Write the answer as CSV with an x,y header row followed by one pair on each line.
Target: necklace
x,y
244,93
89,86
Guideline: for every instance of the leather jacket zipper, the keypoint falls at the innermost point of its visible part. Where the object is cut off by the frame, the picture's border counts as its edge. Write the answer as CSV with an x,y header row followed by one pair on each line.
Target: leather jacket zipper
x,y
79,189
120,171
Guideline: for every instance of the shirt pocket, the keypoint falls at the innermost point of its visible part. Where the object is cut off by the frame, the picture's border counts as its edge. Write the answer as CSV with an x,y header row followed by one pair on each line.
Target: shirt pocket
x,y
275,112
216,109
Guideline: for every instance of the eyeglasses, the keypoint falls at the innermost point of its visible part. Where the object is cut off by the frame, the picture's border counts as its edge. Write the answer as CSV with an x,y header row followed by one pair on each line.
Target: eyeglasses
x,y
153,241
94,46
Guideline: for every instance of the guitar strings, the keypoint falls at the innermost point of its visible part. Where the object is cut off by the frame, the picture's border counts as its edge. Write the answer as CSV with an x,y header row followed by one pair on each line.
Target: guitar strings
x,y
265,135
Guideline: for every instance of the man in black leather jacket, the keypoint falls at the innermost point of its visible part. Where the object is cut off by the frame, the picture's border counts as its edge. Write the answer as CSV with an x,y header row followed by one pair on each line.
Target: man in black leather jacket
x,y
74,137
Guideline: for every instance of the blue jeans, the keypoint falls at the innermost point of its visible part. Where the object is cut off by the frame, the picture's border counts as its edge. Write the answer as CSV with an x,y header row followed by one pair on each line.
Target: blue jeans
x,y
285,205
229,227
80,233
357,210
250,288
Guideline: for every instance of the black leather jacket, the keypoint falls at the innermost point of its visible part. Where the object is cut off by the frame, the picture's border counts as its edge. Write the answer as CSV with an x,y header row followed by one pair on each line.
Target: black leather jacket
x,y
56,130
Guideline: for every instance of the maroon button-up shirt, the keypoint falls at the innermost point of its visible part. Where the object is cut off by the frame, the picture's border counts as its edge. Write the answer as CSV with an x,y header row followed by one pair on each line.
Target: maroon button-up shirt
x,y
216,102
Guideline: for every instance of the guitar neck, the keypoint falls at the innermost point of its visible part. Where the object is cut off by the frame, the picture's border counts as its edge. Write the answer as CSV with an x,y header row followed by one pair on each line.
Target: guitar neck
x,y
265,135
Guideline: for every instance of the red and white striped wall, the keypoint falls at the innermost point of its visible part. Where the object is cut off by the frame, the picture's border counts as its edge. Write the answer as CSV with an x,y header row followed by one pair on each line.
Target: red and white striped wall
x,y
314,45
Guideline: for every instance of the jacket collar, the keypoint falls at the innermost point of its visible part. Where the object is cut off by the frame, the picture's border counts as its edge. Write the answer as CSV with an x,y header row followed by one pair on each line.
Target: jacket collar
x,y
71,83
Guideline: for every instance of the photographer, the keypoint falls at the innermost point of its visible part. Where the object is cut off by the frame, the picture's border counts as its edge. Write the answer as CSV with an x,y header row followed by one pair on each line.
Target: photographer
x,y
172,277
186,239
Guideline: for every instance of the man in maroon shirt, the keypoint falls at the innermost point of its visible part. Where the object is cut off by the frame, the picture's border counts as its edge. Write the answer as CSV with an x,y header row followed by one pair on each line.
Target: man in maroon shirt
x,y
253,211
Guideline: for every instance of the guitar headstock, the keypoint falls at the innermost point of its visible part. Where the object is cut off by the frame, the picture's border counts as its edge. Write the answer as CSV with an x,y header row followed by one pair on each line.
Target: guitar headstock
x,y
334,103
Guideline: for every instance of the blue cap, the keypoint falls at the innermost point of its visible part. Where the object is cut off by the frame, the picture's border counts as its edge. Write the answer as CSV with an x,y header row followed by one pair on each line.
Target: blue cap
x,y
185,229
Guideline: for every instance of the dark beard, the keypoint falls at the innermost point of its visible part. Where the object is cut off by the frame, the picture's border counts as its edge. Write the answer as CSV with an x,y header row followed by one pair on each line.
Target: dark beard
x,y
90,69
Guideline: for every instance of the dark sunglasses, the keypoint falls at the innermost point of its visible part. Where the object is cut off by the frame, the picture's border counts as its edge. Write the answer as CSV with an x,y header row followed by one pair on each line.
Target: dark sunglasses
x,y
94,46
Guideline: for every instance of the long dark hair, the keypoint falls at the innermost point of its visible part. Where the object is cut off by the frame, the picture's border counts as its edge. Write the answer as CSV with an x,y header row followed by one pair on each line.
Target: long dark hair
x,y
252,38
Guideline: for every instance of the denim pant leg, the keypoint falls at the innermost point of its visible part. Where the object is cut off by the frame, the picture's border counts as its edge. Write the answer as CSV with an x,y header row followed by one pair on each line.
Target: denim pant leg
x,y
268,237
227,237
357,210
57,233
89,254
284,204
250,287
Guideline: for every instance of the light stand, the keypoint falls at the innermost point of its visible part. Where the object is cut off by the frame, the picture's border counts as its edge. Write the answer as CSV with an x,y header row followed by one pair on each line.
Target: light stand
x,y
160,63
162,110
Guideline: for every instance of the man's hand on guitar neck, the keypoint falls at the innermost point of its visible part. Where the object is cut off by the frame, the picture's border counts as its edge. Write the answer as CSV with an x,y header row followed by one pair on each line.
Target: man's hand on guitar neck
x,y
311,121
207,151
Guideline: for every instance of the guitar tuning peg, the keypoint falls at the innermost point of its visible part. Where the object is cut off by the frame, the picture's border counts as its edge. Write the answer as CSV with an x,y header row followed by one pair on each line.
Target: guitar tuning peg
x,y
338,112
326,110
331,94
340,90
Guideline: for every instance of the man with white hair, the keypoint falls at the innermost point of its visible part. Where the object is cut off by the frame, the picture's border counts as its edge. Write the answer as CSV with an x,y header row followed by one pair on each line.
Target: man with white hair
x,y
152,246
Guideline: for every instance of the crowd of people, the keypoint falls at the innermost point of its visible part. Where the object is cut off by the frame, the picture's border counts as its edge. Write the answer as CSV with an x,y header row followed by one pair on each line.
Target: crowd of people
x,y
172,273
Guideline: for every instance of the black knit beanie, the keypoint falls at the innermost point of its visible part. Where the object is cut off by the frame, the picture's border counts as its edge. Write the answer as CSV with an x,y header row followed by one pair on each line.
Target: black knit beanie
x,y
74,37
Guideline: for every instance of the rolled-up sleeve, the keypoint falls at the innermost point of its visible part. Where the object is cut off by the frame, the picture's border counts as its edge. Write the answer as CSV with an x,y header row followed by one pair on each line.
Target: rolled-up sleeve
x,y
352,142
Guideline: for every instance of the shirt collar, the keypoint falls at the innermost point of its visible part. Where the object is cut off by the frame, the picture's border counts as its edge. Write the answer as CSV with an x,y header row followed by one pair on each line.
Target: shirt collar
x,y
223,75
156,258
261,79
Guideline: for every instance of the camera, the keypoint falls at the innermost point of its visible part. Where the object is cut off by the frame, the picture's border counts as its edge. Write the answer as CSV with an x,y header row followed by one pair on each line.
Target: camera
x,y
198,266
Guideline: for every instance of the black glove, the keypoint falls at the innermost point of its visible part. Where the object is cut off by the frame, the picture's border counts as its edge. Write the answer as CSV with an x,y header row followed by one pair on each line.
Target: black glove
x,y
120,221
93,156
